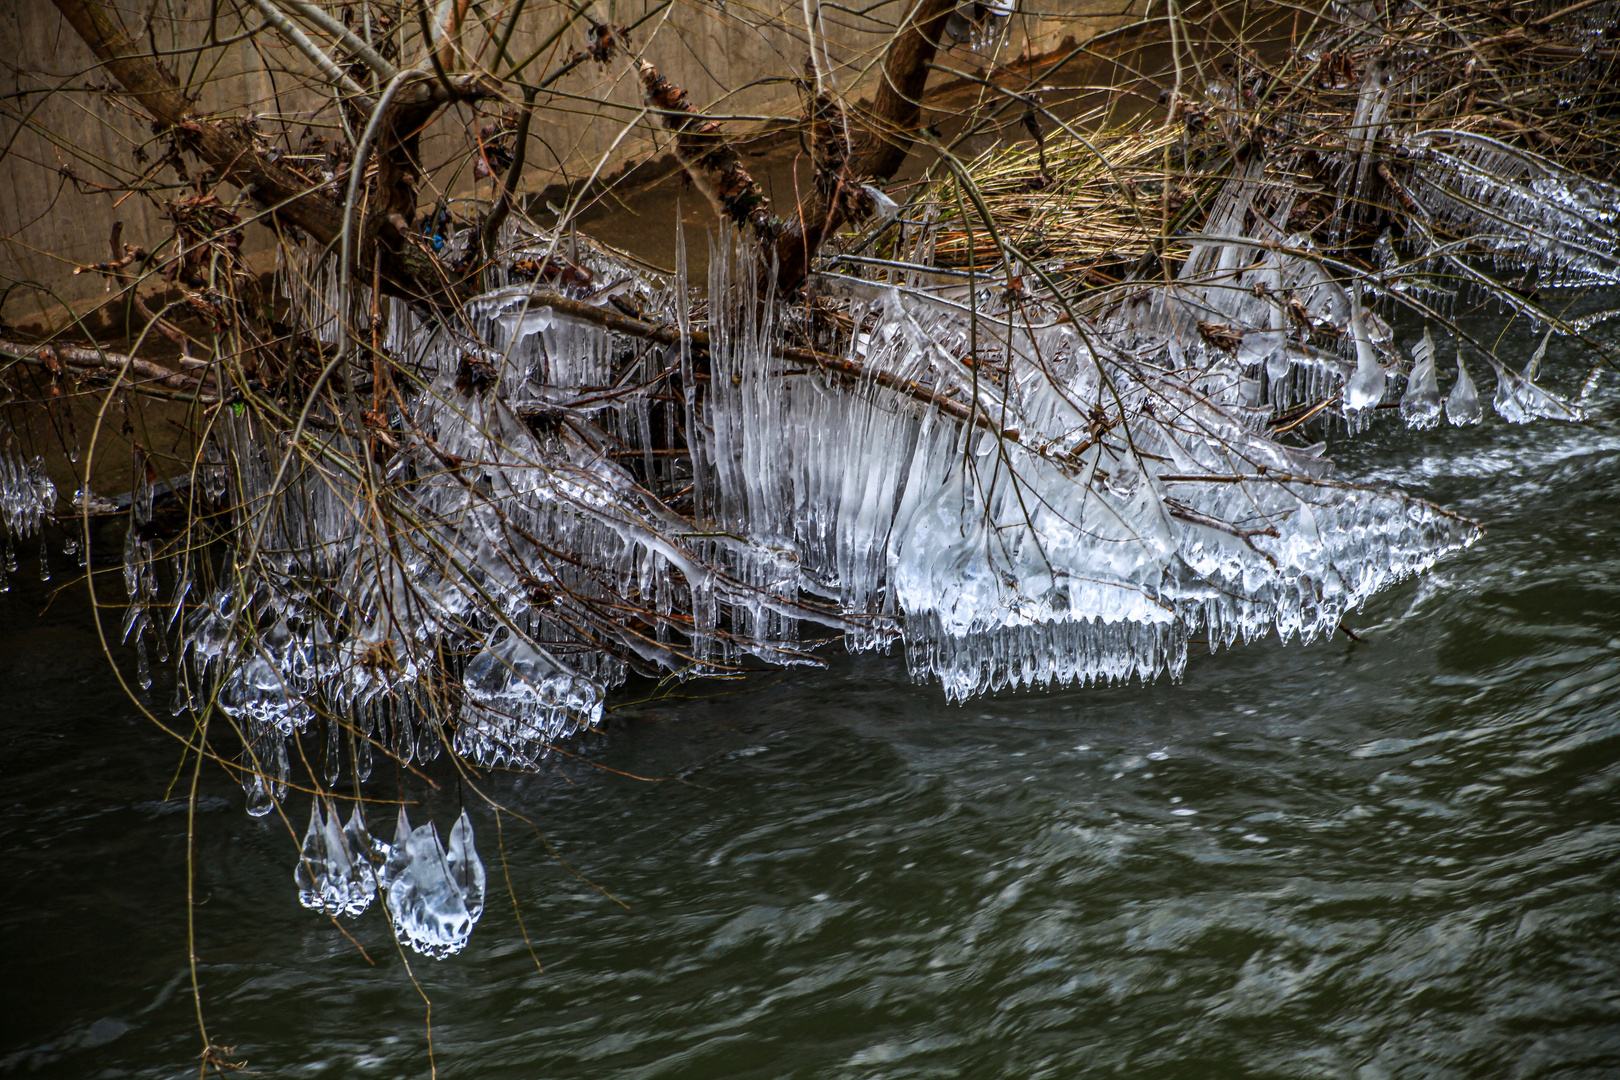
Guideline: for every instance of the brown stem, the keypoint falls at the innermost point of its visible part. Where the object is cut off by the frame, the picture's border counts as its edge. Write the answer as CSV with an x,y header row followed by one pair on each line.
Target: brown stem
x,y
897,106
503,204
227,145
708,157
84,359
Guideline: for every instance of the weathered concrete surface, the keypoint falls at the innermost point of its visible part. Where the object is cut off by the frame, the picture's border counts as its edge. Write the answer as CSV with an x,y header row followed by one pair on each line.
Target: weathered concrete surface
x,y
734,59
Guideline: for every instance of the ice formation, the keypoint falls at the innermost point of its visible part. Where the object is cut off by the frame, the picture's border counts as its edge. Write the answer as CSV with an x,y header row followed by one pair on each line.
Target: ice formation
x,y
27,497
1019,492
518,699
334,872
578,476
1519,400
1462,404
435,894
1420,405
594,469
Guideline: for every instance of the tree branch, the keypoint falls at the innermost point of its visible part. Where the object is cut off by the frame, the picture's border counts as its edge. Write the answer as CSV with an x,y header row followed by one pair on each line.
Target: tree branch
x,y
313,53
84,359
295,199
839,197
708,157
225,144
897,106
365,53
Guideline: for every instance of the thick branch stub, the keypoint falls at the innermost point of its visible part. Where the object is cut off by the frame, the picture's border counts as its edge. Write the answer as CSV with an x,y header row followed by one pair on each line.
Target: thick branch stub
x,y
897,105
838,198
708,158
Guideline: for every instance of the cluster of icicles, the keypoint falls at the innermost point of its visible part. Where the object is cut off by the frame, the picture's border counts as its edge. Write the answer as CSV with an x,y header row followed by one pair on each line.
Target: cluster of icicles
x,y
27,497
433,893
1081,503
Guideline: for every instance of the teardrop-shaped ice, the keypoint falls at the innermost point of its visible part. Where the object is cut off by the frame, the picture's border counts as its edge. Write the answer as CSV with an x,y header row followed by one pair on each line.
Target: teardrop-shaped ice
x,y
312,859
1420,405
1462,404
1511,393
396,856
466,868
330,876
427,908
1366,386
259,799
361,847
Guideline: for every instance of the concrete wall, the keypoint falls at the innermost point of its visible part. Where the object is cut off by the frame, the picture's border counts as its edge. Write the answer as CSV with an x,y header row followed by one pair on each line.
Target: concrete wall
x,y
734,58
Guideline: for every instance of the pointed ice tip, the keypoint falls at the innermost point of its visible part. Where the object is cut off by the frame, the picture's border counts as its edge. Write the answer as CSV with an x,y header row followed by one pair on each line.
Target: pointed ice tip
x,y
359,836
1534,365
884,207
394,857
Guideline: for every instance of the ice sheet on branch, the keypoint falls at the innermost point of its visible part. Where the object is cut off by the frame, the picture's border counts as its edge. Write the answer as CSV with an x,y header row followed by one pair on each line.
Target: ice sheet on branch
x,y
1021,493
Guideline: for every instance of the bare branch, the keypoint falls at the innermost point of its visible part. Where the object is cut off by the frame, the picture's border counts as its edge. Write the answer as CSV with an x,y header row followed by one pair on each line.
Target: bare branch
x,y
365,53
313,52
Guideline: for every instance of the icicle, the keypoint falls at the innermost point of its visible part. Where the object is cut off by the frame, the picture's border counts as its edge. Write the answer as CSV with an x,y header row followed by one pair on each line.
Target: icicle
x,y
1462,404
332,874
428,904
1420,405
1366,387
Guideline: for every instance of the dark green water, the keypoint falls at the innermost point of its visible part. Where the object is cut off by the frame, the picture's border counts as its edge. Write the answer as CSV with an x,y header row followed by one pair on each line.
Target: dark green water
x,y
1395,858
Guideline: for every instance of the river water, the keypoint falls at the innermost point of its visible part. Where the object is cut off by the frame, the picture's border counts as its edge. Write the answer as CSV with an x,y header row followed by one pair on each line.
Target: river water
x,y
1388,858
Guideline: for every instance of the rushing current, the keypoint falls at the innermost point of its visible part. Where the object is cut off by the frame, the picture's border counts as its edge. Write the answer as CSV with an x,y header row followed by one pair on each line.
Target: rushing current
x,y
1389,857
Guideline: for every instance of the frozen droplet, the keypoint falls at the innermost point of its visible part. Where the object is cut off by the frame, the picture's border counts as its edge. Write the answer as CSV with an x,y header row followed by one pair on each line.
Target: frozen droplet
x,y
1366,386
395,856
1462,404
429,895
259,800
1420,405
465,867
331,875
